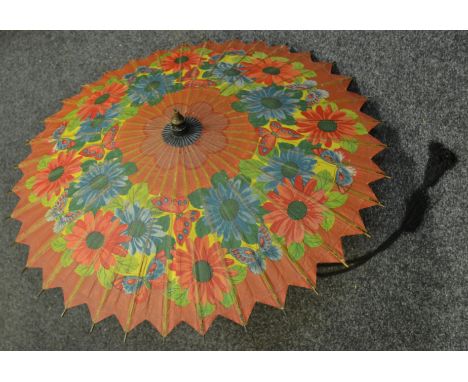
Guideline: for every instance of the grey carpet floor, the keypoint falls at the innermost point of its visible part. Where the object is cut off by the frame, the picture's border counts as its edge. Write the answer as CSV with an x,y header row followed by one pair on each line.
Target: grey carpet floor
x,y
413,296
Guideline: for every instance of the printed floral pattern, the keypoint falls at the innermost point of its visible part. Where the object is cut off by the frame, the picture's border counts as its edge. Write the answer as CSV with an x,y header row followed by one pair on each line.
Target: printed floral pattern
x,y
295,209
202,271
91,129
178,61
270,103
151,86
229,73
197,227
269,71
101,183
288,164
231,209
325,125
101,100
58,173
143,229
97,239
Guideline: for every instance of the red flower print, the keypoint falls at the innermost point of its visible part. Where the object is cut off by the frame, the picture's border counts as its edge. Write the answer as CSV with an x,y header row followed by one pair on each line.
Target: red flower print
x,y
201,269
180,61
102,100
96,239
271,72
325,125
58,173
295,209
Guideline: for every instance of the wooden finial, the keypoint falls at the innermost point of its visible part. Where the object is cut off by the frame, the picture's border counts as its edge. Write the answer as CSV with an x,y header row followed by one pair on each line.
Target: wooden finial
x,y
177,118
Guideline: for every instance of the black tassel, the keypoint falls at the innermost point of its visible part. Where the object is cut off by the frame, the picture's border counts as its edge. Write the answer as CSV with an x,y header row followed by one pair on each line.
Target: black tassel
x,y
440,161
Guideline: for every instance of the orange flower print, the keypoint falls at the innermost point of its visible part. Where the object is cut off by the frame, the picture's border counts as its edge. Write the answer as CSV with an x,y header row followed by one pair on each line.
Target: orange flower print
x,y
58,173
201,269
180,61
323,125
271,72
226,138
295,209
96,239
101,101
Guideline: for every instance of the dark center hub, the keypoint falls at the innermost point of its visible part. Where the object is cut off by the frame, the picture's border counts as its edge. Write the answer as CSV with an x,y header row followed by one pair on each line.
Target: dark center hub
x,y
289,169
102,98
229,209
136,228
152,86
56,173
202,271
327,126
232,72
271,70
181,59
99,182
94,240
297,210
271,102
183,135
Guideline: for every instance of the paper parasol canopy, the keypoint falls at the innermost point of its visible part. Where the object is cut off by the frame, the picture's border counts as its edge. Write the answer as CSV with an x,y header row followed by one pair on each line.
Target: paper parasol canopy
x,y
197,182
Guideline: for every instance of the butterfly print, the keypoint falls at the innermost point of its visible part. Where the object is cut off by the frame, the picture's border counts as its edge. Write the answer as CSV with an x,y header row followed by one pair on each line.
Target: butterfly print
x,y
249,257
344,174
108,143
190,79
266,244
218,57
314,95
133,284
62,143
269,137
183,220
306,85
256,260
57,213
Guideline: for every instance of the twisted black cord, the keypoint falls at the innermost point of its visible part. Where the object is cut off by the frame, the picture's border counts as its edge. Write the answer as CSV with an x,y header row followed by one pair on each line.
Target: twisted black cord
x,y
441,159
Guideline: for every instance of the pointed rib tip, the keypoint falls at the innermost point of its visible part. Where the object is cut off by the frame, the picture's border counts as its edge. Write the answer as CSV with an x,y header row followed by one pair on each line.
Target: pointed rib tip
x,y
92,328
366,234
24,270
63,313
245,327
39,294
125,337
377,203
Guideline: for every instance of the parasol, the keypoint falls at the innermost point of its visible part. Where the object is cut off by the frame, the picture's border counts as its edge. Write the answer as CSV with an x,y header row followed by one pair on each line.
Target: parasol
x,y
197,182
